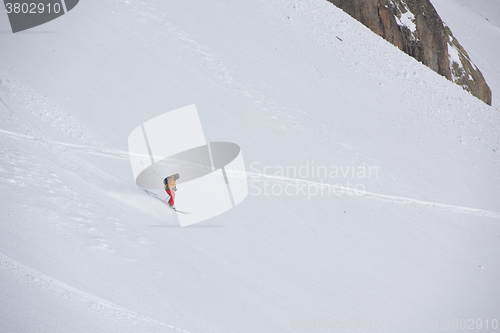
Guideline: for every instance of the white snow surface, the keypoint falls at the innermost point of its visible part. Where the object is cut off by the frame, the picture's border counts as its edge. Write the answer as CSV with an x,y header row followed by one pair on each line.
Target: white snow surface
x,y
407,20
294,84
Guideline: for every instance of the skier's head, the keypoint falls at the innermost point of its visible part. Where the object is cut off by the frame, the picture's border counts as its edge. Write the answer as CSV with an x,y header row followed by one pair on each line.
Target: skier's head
x,y
177,176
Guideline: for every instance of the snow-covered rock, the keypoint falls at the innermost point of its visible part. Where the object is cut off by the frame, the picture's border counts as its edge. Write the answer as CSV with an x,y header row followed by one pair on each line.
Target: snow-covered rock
x,y
416,28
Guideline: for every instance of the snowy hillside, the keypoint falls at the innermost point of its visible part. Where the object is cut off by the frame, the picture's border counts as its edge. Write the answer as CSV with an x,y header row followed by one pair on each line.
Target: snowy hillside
x,y
301,87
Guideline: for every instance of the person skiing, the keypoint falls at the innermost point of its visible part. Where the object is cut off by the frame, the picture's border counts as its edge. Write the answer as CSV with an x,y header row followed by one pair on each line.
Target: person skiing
x,y
170,188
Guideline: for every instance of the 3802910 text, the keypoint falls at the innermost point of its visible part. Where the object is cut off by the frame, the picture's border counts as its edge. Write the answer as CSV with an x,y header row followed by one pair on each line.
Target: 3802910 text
x,y
387,325
470,324
32,8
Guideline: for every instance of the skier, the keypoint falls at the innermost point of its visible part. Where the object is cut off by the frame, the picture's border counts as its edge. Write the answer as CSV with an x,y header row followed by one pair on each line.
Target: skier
x,y
170,188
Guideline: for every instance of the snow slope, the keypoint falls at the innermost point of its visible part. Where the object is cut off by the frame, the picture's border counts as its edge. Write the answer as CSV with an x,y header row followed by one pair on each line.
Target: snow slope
x,y
295,84
476,24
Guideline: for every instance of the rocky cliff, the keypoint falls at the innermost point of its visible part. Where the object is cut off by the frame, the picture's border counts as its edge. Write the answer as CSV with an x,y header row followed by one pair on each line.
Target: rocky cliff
x,y
415,27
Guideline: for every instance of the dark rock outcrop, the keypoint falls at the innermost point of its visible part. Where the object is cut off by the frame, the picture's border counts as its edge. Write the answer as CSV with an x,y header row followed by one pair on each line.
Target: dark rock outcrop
x,y
415,27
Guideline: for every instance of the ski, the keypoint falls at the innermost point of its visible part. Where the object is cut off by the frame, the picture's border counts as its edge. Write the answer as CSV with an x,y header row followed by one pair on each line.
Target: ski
x,y
154,195
182,212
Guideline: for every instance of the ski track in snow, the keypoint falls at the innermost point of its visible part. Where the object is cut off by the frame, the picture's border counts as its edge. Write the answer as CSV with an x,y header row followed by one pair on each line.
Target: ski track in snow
x,y
117,154
123,155
74,295
372,195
